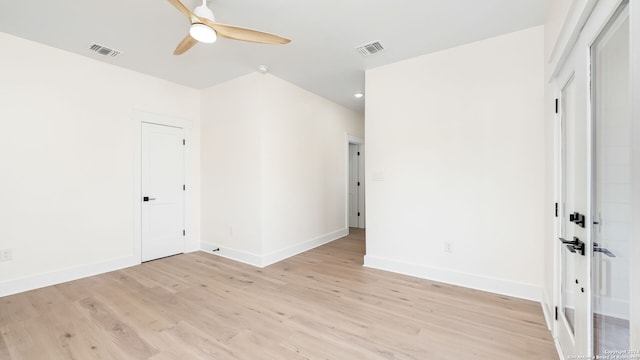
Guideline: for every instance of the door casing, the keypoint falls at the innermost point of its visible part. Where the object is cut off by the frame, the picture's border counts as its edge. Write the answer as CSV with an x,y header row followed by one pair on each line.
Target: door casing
x,y
191,224
163,205
352,139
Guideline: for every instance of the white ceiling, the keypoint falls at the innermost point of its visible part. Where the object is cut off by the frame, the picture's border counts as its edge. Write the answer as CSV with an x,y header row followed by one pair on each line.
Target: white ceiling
x,y
321,57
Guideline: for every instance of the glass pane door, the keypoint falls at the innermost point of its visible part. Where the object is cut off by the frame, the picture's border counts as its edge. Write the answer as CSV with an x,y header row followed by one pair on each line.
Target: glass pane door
x,y
567,258
612,186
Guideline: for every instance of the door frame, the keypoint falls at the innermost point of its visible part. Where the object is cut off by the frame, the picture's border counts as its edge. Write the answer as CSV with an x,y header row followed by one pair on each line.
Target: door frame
x,y
352,139
191,242
580,13
634,291
354,169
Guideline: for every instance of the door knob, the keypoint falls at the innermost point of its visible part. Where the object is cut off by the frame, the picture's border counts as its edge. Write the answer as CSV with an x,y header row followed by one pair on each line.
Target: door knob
x,y
146,198
597,248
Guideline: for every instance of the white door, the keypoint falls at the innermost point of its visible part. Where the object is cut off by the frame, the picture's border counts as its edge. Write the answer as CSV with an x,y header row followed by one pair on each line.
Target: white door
x,y
612,204
594,108
573,208
162,191
354,184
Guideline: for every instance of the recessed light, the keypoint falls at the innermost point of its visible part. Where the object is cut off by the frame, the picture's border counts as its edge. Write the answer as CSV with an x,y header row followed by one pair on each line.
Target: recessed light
x,y
358,95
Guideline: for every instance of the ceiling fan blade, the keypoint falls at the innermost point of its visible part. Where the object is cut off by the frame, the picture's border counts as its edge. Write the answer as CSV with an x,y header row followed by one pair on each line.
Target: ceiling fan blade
x,y
186,44
244,34
185,10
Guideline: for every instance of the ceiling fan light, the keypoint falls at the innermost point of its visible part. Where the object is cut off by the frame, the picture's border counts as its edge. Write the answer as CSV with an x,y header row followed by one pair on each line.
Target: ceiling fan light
x,y
203,33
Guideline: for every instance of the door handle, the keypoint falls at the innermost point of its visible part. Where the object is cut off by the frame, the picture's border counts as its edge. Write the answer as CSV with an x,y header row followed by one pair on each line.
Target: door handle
x,y
597,248
570,242
575,245
146,198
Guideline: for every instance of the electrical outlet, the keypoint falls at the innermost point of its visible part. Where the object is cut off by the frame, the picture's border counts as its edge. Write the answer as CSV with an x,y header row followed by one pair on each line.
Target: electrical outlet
x,y
5,254
448,247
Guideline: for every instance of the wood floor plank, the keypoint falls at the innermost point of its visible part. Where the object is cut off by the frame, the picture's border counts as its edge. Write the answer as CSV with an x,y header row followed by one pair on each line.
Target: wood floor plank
x,y
322,304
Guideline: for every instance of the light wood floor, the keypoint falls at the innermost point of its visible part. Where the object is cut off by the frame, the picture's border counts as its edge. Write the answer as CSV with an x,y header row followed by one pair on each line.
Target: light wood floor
x,y
318,305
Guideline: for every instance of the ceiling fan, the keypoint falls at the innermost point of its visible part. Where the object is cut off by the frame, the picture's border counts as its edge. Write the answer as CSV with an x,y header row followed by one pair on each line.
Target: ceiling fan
x,y
205,29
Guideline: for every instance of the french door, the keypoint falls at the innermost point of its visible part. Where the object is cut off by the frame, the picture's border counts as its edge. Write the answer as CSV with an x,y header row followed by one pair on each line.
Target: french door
x,y
595,191
573,210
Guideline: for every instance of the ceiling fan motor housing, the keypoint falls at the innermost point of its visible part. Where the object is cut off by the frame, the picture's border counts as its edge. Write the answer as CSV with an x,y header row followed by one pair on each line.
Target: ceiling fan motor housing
x,y
204,12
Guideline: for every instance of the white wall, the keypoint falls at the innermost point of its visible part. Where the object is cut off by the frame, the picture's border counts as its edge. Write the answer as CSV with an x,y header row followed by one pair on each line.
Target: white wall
x,y
455,153
273,167
231,193
67,145
303,164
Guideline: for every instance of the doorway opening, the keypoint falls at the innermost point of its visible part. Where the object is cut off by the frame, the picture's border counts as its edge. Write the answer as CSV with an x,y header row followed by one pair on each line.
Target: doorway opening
x,y
355,194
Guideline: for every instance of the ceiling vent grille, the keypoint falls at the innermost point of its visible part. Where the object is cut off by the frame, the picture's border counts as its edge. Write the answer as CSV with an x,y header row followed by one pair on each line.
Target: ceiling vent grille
x,y
370,48
103,50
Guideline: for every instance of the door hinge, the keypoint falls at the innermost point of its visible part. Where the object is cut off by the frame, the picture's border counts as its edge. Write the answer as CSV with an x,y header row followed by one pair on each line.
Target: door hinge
x,y
556,209
358,183
184,232
358,153
358,214
557,105
184,142
184,187
556,313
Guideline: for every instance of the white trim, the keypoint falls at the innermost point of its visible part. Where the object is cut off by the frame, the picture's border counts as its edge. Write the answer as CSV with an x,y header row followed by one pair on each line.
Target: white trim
x,y
546,311
483,283
556,342
232,254
634,251
19,285
574,21
279,255
352,139
274,256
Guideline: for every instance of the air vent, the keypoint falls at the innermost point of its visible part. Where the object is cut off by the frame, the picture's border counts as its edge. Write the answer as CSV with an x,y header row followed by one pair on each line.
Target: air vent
x,y
370,48
103,50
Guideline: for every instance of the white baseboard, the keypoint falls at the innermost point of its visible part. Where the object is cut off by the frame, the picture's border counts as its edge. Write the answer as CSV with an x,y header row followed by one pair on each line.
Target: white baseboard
x,y
279,255
232,254
274,256
559,349
547,315
14,286
548,309
497,286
